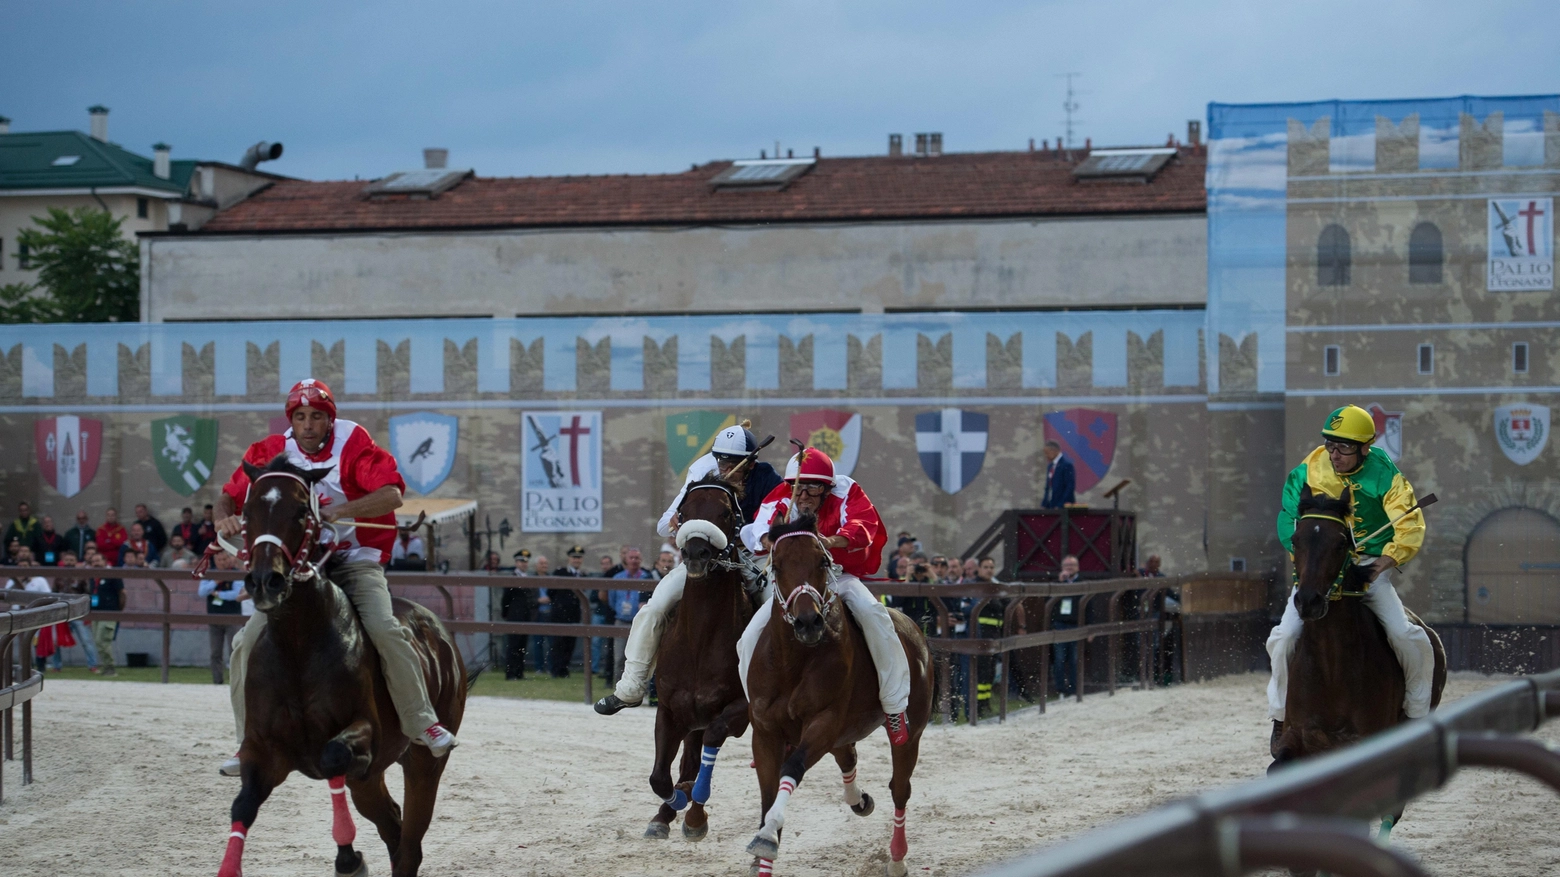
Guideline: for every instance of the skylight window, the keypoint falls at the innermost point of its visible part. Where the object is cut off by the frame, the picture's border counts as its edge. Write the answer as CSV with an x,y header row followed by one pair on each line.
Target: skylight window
x,y
424,182
66,160
773,173
1139,163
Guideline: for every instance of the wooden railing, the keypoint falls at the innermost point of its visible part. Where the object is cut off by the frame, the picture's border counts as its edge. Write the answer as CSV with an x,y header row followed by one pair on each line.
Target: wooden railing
x,y
22,615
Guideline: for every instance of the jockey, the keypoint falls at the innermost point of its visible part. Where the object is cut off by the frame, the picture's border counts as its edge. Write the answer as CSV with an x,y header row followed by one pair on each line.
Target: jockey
x,y
363,485
1381,493
850,528
644,635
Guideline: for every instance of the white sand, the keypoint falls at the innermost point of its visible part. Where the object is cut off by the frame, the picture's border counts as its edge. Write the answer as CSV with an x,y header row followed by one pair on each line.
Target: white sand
x,y
127,784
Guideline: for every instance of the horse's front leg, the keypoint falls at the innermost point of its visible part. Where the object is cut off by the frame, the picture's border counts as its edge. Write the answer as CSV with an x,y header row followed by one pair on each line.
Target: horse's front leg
x,y
813,746
731,722
260,773
668,738
348,754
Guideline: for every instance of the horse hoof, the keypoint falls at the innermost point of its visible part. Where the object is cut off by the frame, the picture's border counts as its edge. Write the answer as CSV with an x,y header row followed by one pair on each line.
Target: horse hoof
x,y
361,871
695,834
658,831
764,849
865,807
895,869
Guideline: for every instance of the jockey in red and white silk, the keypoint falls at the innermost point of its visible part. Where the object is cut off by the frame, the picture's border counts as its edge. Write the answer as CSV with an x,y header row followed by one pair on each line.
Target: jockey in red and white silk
x,y
851,528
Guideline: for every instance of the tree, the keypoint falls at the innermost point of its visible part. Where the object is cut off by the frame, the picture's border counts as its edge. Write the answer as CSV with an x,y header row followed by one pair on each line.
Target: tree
x,y
87,271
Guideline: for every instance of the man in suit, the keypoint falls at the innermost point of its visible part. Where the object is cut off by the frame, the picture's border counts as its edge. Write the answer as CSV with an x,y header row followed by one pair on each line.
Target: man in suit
x,y
1059,478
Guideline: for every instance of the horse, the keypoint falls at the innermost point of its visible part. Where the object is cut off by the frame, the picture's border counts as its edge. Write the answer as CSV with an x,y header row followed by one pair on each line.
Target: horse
x,y
316,702
813,690
701,698
1345,682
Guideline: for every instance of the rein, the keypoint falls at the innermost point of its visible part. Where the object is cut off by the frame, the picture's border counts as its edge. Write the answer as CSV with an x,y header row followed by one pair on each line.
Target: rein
x,y
1335,591
824,604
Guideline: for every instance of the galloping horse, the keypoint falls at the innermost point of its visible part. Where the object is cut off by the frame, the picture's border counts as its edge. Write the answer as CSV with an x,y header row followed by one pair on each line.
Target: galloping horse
x,y
316,701
1345,682
813,690
702,703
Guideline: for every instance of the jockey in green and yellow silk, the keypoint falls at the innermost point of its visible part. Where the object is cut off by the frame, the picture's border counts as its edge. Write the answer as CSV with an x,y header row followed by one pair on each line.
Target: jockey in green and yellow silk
x,y
1380,493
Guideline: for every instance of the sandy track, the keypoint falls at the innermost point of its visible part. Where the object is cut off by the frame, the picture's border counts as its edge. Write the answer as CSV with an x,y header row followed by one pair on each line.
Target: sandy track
x,y
127,784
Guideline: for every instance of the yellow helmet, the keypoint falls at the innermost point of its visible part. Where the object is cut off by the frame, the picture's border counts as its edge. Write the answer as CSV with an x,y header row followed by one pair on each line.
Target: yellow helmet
x,y
1350,423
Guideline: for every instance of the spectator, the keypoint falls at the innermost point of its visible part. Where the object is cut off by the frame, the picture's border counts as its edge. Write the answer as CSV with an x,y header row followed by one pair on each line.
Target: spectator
x,y
939,569
31,583
108,595
989,626
919,609
969,570
664,564
565,603
78,627
626,603
541,646
517,605
25,528
609,567
1064,656
138,543
187,528
622,562
206,531
111,535
77,537
1150,568
600,613
492,563
896,570
153,528
222,598
901,568
178,556
18,554
49,544
409,551
1060,478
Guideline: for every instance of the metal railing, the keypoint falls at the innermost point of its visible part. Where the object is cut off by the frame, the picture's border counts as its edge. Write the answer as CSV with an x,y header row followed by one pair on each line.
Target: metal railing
x,y
19,682
1310,814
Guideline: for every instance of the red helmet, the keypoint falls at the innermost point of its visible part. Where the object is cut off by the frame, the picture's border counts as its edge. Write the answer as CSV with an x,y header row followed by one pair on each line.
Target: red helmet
x,y
815,465
311,393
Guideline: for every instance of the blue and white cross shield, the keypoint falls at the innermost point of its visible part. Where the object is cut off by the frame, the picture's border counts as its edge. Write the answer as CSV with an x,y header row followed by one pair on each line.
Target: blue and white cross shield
x,y
952,446
423,445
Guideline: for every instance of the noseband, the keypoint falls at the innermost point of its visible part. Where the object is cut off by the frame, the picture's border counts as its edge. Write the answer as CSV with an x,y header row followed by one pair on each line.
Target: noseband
x,y
729,558
1335,591
824,605
304,560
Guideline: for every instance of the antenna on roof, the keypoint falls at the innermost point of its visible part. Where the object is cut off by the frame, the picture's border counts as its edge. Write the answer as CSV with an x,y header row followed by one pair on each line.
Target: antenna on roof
x,y
1070,105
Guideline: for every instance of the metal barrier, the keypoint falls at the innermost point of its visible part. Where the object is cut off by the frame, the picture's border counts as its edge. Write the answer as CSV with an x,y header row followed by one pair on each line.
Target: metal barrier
x,y
19,682
1309,815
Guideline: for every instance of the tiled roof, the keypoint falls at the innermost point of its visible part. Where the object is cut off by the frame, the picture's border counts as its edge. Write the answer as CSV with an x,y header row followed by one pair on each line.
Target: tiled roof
x,y
949,186
27,161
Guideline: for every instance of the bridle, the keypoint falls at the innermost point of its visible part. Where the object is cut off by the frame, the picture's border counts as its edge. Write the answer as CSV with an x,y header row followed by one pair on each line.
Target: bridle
x,y
1335,591
304,559
833,572
729,558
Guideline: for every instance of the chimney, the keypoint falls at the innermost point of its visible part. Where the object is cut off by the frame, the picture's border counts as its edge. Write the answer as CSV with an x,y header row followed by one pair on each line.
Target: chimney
x,y
1031,144
5,125
99,122
920,144
817,152
934,146
436,158
896,145
1194,132
1088,143
161,153
261,151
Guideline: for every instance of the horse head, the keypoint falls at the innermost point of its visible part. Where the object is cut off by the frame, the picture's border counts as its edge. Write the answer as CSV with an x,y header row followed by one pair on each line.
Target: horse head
x,y
711,515
1324,550
281,529
800,567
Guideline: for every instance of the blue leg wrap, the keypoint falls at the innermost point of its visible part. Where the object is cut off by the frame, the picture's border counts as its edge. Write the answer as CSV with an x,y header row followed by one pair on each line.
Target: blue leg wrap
x,y
701,786
678,801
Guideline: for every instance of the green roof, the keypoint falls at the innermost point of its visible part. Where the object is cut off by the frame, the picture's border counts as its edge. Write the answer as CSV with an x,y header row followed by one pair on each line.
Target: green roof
x,y
43,160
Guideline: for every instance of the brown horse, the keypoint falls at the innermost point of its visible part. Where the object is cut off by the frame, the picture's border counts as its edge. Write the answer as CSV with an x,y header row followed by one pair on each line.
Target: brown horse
x,y
316,702
1345,682
813,691
696,679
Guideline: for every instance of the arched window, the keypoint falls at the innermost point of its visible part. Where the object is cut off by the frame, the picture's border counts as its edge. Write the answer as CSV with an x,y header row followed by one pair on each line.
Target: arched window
x,y
1332,257
1424,254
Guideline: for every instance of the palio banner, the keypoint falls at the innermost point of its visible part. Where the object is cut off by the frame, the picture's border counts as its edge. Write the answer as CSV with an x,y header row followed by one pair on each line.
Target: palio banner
x,y
1521,244
1088,438
423,445
185,450
836,433
560,471
690,435
68,448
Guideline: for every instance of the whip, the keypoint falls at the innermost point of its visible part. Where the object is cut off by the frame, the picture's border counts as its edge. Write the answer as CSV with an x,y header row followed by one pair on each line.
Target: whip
x,y
1428,499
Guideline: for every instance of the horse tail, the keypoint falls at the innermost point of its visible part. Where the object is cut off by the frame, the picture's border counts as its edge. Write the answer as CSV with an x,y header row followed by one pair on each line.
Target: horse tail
x,y
473,672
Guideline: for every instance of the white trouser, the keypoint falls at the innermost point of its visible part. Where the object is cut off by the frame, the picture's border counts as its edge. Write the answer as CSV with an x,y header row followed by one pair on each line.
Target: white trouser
x,y
888,653
644,635
1408,640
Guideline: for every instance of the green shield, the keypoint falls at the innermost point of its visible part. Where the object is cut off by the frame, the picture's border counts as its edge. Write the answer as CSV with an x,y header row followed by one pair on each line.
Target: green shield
x,y
185,449
690,434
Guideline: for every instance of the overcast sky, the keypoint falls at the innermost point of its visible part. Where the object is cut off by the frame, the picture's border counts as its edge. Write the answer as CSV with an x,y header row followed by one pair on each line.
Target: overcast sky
x,y
530,88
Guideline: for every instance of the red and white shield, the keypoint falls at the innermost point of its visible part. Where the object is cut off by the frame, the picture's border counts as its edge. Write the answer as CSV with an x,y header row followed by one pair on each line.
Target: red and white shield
x,y
68,449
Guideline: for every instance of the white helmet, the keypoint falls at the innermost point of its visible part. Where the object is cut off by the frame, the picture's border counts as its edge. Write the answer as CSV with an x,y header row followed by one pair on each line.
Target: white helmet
x,y
734,441
792,467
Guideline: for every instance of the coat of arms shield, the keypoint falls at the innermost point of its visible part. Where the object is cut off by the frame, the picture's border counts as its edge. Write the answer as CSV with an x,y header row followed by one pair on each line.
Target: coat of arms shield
x,y
423,445
1088,438
68,448
1522,431
185,451
952,446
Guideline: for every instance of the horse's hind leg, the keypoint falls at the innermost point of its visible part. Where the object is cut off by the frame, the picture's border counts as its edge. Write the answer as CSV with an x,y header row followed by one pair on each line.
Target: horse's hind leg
x,y
904,765
373,800
422,772
860,802
259,779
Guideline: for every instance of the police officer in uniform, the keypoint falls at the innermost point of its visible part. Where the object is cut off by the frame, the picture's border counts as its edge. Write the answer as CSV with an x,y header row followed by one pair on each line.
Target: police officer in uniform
x,y
565,610
517,604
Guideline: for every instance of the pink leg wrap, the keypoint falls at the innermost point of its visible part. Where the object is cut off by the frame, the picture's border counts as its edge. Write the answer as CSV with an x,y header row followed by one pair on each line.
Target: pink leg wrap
x,y
232,861
341,826
897,847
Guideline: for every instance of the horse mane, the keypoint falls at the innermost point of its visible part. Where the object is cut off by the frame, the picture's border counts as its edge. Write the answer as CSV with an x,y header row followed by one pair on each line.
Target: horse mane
x,y
807,523
280,463
1312,502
